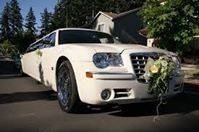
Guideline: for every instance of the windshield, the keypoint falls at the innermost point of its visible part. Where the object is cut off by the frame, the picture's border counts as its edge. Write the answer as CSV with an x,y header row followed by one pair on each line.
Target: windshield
x,y
83,36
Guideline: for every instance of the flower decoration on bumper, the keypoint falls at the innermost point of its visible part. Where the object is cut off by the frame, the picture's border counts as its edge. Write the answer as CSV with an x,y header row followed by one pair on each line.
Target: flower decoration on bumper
x,y
158,73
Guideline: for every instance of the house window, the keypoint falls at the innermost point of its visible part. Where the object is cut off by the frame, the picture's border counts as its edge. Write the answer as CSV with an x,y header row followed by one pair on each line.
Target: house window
x,y
100,27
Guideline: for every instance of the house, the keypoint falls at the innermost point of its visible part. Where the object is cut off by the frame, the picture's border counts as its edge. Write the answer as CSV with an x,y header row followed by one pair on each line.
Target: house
x,y
124,26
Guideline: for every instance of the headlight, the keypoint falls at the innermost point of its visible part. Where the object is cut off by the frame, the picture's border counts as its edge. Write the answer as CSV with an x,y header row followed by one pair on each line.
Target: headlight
x,y
176,61
103,60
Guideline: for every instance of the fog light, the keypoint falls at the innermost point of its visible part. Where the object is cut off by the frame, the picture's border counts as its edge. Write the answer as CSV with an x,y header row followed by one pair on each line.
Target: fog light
x,y
106,94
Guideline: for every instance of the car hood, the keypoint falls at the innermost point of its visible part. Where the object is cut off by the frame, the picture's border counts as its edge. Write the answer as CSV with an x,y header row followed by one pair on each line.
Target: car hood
x,y
86,51
121,48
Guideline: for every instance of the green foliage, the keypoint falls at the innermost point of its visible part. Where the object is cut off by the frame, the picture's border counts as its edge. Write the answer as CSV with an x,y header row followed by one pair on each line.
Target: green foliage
x,y
67,13
79,13
15,18
30,23
16,25
46,18
173,22
29,36
159,75
11,23
5,23
7,49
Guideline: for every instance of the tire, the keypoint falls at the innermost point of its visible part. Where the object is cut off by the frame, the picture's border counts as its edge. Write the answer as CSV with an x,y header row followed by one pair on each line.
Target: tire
x,y
67,88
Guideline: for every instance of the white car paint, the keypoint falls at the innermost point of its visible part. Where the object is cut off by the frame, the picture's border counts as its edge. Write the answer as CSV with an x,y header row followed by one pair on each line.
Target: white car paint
x,y
43,68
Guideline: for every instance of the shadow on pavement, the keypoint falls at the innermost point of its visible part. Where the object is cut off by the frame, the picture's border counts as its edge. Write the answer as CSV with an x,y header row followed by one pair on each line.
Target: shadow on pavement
x,y
191,88
27,96
182,104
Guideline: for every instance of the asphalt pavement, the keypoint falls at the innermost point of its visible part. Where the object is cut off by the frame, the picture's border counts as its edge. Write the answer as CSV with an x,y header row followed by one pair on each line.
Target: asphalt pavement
x,y
27,106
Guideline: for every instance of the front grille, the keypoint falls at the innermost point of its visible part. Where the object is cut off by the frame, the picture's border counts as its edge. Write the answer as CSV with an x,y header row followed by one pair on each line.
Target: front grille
x,y
139,61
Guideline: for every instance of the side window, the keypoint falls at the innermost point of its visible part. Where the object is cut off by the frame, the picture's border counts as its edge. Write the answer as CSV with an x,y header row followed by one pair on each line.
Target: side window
x,y
49,41
52,39
46,42
34,46
31,48
39,45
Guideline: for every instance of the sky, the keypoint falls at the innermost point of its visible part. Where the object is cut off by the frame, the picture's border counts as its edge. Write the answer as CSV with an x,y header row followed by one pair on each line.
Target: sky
x,y
37,5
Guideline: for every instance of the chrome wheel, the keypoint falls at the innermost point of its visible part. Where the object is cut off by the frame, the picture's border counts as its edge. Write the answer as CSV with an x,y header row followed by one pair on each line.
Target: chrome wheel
x,y
63,87
67,93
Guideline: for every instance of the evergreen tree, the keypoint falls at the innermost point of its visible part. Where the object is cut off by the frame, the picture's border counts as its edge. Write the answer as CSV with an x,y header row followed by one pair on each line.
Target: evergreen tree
x,y
5,24
72,13
77,13
45,22
59,16
30,33
30,23
15,18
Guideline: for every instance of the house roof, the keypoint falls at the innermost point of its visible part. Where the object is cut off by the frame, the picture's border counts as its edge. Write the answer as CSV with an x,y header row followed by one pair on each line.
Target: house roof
x,y
114,16
126,13
110,14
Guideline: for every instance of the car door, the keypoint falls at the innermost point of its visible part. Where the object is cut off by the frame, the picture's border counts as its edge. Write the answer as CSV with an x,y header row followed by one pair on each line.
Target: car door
x,y
46,59
31,59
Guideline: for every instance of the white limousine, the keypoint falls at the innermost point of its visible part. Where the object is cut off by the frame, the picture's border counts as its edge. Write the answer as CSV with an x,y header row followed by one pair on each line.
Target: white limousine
x,y
87,66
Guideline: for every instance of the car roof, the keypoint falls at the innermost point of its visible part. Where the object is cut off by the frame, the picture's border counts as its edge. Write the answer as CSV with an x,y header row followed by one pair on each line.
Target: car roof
x,y
61,29
81,29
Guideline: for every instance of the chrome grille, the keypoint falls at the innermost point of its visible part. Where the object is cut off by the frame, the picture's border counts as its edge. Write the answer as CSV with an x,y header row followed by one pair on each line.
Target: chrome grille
x,y
139,61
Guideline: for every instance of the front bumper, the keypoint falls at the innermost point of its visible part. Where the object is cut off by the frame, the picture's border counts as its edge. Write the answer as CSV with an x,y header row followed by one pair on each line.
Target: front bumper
x,y
124,88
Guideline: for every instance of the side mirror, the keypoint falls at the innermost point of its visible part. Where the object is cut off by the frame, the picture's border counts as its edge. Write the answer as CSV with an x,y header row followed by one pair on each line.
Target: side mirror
x,y
20,55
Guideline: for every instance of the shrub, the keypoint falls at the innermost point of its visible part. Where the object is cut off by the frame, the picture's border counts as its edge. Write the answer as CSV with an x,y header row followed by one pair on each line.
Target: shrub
x,y
173,22
8,50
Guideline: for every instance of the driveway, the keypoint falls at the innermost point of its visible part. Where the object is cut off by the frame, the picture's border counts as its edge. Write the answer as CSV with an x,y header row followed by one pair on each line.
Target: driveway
x,y
28,106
